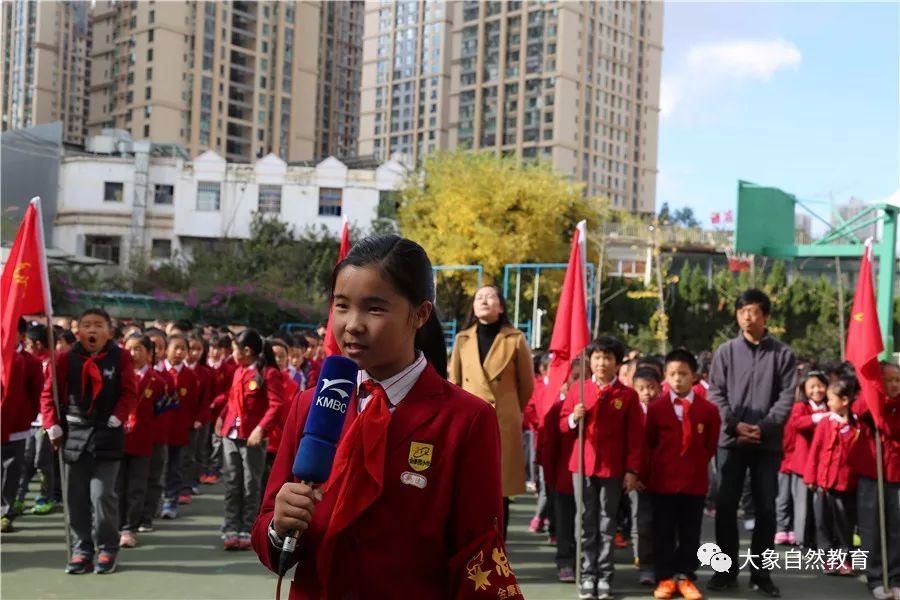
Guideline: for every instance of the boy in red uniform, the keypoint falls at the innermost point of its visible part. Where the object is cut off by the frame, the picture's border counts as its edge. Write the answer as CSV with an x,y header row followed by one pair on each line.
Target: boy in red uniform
x,y
614,437
862,461
19,404
223,367
829,477
97,391
646,382
682,437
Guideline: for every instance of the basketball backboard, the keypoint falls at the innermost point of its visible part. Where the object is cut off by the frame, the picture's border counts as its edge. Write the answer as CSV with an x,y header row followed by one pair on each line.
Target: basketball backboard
x,y
765,218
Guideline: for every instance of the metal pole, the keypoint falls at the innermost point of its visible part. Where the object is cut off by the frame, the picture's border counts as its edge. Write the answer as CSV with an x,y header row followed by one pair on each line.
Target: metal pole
x,y
63,476
881,521
840,303
535,319
518,289
579,482
598,290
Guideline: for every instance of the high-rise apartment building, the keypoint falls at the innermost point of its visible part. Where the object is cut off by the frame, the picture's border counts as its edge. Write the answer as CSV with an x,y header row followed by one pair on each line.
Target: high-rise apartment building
x,y
340,72
234,77
45,65
576,83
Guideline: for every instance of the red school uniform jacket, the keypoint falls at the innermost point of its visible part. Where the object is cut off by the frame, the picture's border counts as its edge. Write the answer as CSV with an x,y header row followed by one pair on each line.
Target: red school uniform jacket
x,y
801,421
205,390
828,466
21,399
181,419
141,425
223,376
291,390
669,469
862,455
253,403
403,544
554,449
614,429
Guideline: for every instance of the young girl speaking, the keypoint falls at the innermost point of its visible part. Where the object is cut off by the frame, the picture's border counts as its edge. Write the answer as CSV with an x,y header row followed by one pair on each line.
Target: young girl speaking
x,y
413,507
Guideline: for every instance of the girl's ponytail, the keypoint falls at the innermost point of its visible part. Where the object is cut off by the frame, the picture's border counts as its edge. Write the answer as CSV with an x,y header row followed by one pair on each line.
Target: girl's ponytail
x,y
430,340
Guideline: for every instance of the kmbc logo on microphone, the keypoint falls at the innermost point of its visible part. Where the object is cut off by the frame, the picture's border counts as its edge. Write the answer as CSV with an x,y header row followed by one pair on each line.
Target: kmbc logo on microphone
x,y
334,394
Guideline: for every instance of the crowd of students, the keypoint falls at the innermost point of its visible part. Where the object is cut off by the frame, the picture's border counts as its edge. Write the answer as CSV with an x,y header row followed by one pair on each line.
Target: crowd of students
x,y
149,414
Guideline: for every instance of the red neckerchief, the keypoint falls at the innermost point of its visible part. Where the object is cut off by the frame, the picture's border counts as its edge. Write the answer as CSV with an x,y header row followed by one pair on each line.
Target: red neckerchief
x,y
686,432
91,372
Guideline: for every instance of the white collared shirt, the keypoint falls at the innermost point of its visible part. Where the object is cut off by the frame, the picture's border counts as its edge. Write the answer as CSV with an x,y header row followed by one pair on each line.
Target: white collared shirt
x,y
679,409
141,372
397,386
169,366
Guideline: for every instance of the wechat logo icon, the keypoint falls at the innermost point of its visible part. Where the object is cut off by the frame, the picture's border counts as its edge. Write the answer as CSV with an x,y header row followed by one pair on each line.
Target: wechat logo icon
x,y
712,556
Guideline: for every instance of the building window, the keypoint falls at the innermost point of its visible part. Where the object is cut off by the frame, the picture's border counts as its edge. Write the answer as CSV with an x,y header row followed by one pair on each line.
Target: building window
x,y
146,131
113,191
150,35
147,92
270,199
330,200
208,195
163,194
149,54
103,247
149,73
152,16
161,249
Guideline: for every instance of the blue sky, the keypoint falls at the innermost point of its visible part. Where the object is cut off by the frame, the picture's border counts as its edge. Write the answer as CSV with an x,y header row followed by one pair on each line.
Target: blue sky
x,y
803,96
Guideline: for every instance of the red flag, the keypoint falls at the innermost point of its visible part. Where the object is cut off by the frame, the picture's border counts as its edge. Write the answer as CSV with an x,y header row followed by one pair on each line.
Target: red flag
x,y
729,216
716,218
570,330
864,342
331,345
25,287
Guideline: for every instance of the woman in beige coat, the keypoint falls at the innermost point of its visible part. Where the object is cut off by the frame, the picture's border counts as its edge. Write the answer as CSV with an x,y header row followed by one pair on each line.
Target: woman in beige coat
x,y
491,359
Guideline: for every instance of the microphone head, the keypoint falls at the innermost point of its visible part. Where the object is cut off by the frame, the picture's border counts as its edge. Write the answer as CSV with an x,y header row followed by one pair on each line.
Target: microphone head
x,y
325,421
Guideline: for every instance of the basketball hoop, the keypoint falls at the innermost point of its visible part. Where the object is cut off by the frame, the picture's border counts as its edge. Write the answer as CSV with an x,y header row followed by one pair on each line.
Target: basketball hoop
x,y
738,262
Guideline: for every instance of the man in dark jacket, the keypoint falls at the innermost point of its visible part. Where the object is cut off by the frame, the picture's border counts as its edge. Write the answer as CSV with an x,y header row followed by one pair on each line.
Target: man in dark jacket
x,y
752,383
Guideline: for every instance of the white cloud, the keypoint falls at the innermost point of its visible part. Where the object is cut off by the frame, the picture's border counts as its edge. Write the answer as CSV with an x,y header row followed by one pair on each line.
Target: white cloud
x,y
709,68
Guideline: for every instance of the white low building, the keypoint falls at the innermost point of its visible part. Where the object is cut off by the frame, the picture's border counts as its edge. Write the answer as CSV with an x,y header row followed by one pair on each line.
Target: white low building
x,y
113,207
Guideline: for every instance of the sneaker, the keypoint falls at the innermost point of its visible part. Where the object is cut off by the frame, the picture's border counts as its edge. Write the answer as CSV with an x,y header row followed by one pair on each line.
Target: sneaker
x,y
567,575
646,578
18,507
79,564
536,525
665,589
619,541
106,564
792,539
603,591
688,590
43,506
203,478
765,587
749,524
879,593
230,541
721,582
168,511
781,538
185,499
587,589
127,540
195,490
845,570
145,528
530,487
5,525
213,479
551,540
710,512
244,541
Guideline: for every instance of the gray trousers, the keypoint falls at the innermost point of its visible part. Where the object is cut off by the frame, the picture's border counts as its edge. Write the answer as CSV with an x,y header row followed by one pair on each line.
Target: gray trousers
x,y
132,489
154,484
215,454
642,528
601,498
783,509
243,473
804,517
38,458
204,450
190,462
870,533
541,511
835,519
12,455
93,504
173,478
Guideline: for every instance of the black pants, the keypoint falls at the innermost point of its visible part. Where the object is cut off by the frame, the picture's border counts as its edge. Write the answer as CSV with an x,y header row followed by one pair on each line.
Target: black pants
x,y
564,506
870,534
506,503
733,464
835,519
677,520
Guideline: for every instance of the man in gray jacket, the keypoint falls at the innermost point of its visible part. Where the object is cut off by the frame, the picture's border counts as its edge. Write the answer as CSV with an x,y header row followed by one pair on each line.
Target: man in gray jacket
x,y
752,382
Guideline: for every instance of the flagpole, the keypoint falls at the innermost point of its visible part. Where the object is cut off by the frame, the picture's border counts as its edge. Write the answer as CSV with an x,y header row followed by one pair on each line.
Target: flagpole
x,y
579,487
45,282
881,519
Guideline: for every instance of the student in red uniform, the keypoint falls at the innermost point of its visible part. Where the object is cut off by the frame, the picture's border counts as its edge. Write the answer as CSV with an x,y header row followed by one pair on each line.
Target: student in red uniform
x,y
646,381
828,475
97,391
862,461
682,436
223,367
182,421
19,403
533,415
134,472
163,417
784,502
613,446
290,390
254,403
198,439
160,344
429,530
804,417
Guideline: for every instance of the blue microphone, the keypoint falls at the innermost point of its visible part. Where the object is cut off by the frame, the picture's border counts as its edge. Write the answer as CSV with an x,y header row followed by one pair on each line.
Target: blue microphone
x,y
325,420
324,423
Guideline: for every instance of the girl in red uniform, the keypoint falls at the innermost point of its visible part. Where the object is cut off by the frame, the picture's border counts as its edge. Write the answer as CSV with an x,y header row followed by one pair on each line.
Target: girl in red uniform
x,y
223,367
196,454
386,525
254,403
290,388
181,422
134,472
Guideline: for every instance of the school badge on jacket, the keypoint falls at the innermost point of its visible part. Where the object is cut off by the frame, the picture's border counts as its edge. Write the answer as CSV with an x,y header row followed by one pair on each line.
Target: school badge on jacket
x,y
420,455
